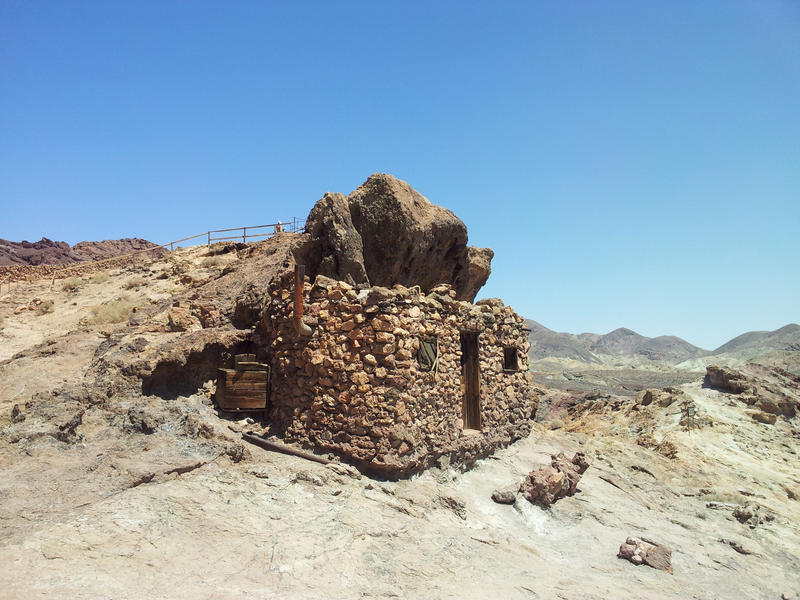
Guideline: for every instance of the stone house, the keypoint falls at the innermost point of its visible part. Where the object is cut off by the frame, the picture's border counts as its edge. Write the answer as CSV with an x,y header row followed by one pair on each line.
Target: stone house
x,y
394,380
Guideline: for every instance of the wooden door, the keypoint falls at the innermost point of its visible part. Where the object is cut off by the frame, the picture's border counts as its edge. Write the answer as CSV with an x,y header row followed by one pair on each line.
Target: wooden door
x,y
470,377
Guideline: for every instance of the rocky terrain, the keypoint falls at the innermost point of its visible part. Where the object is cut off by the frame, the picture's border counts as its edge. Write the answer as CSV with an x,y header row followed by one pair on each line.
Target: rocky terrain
x,y
48,252
624,362
120,478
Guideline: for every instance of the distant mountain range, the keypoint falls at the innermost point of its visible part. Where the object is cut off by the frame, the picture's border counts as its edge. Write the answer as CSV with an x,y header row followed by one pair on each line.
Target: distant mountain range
x,y
48,252
551,350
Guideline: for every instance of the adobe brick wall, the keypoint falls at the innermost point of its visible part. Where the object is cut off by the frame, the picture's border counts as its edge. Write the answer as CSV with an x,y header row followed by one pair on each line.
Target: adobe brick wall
x,y
355,387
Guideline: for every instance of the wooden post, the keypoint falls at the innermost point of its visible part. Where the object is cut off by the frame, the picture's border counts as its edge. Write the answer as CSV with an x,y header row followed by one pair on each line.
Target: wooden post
x,y
209,238
244,235
171,246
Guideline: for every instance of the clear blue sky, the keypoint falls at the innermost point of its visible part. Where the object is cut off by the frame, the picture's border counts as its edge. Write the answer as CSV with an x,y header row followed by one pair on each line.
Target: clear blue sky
x,y
632,163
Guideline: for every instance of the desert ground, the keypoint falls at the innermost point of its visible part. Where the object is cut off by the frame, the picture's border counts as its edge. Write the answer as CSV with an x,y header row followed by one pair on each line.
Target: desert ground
x,y
124,495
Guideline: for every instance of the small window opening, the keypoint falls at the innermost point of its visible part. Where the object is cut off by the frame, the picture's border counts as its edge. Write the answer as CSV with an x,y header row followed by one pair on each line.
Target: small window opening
x,y
510,359
428,355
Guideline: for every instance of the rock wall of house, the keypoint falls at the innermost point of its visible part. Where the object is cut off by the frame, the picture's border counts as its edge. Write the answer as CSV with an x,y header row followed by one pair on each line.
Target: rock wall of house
x,y
355,386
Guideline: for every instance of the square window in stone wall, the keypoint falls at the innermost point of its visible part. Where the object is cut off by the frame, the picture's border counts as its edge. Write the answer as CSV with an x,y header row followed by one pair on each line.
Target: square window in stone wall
x,y
428,355
510,359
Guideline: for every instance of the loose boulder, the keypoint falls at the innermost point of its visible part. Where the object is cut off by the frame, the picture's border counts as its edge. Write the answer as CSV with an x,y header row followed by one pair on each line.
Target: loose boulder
x,y
504,496
546,485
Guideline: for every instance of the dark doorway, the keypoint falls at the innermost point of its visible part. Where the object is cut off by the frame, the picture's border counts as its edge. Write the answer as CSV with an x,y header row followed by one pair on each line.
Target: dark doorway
x,y
470,379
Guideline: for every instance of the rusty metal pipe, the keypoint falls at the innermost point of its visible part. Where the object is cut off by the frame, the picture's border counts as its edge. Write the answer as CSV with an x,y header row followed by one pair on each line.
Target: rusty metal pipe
x,y
299,281
275,447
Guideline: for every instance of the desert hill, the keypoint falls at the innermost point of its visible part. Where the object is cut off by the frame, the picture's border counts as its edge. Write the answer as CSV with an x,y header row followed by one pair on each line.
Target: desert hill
x,y
48,252
120,478
616,348
623,348
753,343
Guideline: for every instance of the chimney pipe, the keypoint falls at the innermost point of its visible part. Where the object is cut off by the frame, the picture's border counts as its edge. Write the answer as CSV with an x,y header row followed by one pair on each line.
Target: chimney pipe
x,y
299,281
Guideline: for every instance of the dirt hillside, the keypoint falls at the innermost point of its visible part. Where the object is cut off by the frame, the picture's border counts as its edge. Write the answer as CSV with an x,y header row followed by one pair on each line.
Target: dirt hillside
x,y
113,489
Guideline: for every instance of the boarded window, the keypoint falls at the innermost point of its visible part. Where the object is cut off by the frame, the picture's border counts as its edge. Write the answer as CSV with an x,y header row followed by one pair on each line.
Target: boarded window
x,y
510,359
428,355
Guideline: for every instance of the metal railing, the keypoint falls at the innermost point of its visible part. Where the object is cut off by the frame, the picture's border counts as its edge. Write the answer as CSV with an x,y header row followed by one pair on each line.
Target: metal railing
x,y
262,231
247,232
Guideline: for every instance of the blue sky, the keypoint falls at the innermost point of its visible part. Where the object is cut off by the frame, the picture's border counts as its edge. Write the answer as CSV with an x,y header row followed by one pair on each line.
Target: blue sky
x,y
632,163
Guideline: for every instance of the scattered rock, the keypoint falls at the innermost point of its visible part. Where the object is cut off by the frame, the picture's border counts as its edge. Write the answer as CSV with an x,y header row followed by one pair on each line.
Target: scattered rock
x,y
546,485
66,431
343,471
16,414
142,421
668,449
763,417
237,452
752,515
736,546
308,477
665,447
181,319
652,554
457,505
504,496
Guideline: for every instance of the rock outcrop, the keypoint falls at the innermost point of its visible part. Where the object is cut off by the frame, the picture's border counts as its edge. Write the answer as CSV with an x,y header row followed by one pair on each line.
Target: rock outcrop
x,y
546,485
645,552
386,233
771,391
48,252
726,379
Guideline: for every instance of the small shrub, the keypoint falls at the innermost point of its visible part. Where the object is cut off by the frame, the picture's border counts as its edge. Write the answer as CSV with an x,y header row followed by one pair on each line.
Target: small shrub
x,y
45,307
213,261
73,284
133,283
100,277
115,311
725,497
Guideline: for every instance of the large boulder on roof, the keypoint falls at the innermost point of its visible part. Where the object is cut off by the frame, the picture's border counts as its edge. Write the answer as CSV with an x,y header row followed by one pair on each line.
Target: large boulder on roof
x,y
405,239
338,248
